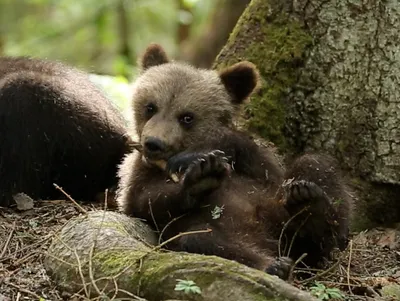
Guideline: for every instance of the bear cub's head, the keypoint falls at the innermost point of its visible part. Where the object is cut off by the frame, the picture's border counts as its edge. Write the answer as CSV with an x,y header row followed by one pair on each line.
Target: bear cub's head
x,y
177,106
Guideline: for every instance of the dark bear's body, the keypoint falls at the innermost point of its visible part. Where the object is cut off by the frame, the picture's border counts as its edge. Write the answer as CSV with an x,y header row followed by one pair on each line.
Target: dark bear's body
x,y
188,124
56,127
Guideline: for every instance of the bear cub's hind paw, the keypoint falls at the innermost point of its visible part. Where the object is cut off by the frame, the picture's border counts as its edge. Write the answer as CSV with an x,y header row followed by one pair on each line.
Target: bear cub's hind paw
x,y
281,267
303,192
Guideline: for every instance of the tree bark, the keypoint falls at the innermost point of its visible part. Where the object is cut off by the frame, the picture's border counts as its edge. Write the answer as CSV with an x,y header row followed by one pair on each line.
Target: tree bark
x,y
116,253
125,49
201,50
183,27
329,71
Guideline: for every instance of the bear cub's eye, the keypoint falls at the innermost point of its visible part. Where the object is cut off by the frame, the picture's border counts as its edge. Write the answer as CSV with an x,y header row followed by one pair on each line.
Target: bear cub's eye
x,y
186,119
151,109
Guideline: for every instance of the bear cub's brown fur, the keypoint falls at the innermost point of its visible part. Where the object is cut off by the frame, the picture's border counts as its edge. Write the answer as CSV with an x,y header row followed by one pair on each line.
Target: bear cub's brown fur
x,y
228,183
56,126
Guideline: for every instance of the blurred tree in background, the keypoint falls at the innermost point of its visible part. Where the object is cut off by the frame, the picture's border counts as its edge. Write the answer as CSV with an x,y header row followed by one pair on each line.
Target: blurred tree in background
x,y
101,36
105,37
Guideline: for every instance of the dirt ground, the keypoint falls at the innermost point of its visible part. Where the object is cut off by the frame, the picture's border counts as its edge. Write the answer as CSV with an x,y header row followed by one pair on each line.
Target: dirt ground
x,y
369,266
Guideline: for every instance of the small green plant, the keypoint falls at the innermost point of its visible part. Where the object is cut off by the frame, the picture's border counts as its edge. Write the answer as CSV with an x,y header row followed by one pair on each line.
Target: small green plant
x,y
337,202
217,211
325,293
188,286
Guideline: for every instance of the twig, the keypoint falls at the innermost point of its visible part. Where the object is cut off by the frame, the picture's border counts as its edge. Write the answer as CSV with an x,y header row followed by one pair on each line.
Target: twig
x,y
295,234
5,247
132,295
152,217
171,239
297,262
81,273
71,199
25,258
105,199
26,247
93,282
348,266
340,283
178,236
59,259
319,275
21,289
167,225
79,264
91,270
116,288
286,225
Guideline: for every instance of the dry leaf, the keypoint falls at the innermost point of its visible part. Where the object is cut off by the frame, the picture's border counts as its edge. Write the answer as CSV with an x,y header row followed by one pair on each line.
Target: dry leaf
x,y
24,201
388,239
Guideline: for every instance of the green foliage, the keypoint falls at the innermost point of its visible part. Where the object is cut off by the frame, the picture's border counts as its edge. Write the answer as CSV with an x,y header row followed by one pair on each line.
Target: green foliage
x,y
217,211
322,292
337,202
90,34
188,286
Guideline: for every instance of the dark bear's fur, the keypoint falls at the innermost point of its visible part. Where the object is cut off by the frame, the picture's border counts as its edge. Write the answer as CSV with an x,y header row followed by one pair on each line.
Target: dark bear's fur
x,y
56,127
184,116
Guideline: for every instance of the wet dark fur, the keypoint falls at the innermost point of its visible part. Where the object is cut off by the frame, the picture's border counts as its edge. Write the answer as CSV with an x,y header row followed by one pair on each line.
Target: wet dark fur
x,y
256,204
55,127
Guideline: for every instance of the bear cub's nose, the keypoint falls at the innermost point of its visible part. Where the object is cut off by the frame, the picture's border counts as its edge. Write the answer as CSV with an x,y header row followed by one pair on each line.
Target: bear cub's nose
x,y
154,145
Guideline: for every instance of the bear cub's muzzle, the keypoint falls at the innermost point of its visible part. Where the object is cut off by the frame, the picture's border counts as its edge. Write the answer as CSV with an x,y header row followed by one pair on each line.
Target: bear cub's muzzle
x,y
156,149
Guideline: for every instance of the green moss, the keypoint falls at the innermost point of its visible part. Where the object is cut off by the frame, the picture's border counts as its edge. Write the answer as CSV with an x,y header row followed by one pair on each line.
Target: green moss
x,y
185,266
273,40
279,56
391,291
112,262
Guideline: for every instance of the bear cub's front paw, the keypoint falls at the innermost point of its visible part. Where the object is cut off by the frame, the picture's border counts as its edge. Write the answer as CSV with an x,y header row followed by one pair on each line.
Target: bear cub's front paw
x,y
281,267
179,163
210,165
301,193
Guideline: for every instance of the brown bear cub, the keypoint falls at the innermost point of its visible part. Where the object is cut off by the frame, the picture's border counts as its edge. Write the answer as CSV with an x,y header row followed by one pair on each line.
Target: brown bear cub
x,y
56,126
228,183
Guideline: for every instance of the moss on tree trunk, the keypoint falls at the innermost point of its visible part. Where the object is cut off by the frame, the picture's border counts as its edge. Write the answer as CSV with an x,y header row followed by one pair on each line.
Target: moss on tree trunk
x,y
114,254
330,84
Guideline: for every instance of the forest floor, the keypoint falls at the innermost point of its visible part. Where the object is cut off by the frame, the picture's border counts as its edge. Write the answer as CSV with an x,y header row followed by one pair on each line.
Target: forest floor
x,y
367,269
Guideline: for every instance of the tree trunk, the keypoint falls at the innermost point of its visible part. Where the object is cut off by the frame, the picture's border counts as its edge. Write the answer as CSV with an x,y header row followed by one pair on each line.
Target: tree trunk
x,y
113,254
201,50
183,27
125,49
330,84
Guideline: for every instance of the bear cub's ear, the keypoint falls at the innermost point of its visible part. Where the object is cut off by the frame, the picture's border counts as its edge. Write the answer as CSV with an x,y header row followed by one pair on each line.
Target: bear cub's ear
x,y
154,55
240,79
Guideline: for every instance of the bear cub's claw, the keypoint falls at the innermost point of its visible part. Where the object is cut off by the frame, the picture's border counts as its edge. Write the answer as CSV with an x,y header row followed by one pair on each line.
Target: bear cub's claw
x,y
209,165
180,162
302,193
281,267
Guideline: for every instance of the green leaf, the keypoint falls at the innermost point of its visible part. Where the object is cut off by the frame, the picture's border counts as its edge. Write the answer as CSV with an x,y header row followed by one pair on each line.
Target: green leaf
x,y
196,290
188,286
336,294
217,212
